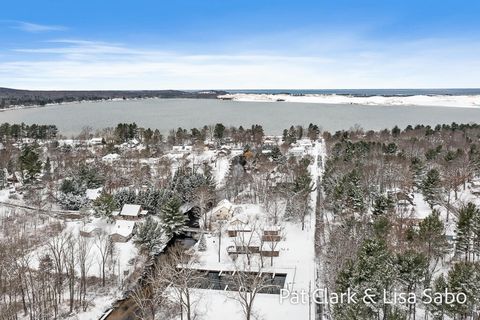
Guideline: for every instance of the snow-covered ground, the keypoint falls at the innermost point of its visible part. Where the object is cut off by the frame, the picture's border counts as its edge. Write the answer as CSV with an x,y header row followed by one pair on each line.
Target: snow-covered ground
x,y
465,101
124,253
296,259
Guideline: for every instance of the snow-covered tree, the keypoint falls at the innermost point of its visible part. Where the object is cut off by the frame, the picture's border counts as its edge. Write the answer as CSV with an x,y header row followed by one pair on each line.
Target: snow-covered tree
x,y
173,220
431,187
149,235
104,205
202,243
466,229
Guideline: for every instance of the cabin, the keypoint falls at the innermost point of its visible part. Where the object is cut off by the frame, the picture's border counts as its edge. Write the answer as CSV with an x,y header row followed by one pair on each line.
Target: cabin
x,y
95,142
122,231
297,151
90,230
111,158
223,211
130,212
475,187
238,225
182,149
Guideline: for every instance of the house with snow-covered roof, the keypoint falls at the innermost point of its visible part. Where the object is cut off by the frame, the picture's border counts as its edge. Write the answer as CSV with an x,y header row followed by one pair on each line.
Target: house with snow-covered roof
x,y
222,211
130,212
111,158
122,231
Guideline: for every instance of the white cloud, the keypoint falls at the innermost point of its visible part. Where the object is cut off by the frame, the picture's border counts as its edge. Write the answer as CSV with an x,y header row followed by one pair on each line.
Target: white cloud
x,y
79,64
37,28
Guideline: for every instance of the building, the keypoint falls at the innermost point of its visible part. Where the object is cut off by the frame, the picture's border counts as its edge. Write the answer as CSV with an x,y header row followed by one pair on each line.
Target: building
x,y
111,158
130,212
223,211
95,141
475,187
182,149
122,230
238,225
90,230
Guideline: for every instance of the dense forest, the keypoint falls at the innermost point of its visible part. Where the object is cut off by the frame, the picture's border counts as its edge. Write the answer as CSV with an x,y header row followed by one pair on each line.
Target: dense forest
x,y
13,97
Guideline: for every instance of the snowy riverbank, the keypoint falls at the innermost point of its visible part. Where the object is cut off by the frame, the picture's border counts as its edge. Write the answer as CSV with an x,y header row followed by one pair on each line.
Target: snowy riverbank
x,y
460,101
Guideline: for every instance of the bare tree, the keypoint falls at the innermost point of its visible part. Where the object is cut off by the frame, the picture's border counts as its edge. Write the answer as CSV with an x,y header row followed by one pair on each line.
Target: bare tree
x,y
84,262
104,244
178,272
204,196
152,297
248,281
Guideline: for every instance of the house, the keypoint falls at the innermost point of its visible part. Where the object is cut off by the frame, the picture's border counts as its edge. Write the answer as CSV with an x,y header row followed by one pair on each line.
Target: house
x,y
297,151
182,149
223,211
475,187
237,225
90,230
122,230
271,141
95,141
130,212
305,143
111,158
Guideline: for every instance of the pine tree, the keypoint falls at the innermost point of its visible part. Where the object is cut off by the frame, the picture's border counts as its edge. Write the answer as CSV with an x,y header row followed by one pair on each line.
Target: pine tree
x,y
464,278
30,163
104,205
3,179
466,229
431,234
439,309
374,269
47,167
431,187
173,220
382,205
149,235
202,243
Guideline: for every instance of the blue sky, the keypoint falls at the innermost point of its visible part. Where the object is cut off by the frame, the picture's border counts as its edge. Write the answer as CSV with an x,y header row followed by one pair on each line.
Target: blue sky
x,y
231,44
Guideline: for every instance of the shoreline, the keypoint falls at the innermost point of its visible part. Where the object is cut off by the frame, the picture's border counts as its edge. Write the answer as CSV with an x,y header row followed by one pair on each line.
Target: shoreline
x,y
37,106
442,101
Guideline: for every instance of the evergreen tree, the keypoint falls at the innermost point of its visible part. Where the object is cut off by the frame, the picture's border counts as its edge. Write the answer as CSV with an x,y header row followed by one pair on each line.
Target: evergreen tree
x,y
382,205
47,167
219,131
173,220
431,187
412,269
124,197
464,278
104,205
466,229
374,269
3,179
431,234
30,163
149,235
202,243
439,308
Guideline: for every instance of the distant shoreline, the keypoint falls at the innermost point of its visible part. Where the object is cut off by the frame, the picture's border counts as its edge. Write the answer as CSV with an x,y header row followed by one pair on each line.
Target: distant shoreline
x,y
450,101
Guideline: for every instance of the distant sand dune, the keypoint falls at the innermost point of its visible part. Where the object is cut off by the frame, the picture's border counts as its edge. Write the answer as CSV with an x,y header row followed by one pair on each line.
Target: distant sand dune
x,y
464,101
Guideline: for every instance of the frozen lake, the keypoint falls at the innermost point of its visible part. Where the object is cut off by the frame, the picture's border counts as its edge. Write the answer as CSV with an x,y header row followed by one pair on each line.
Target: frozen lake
x,y
166,114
